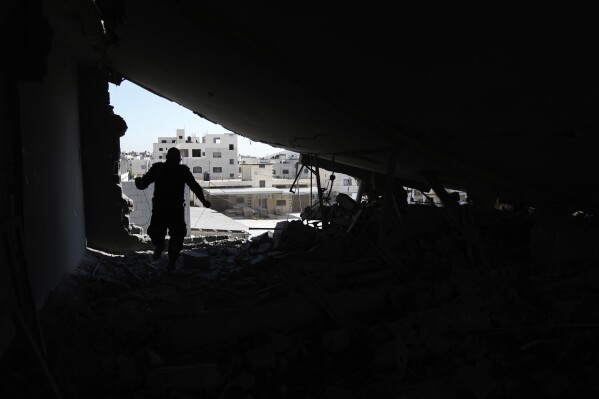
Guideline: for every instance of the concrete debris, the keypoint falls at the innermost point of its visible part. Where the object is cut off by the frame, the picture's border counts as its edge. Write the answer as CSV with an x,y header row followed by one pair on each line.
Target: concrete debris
x,y
153,359
245,380
336,341
279,343
432,309
297,236
125,317
196,259
346,202
184,377
260,357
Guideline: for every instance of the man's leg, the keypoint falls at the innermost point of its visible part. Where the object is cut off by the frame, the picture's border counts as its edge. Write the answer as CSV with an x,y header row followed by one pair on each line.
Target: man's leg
x,y
175,245
157,233
177,231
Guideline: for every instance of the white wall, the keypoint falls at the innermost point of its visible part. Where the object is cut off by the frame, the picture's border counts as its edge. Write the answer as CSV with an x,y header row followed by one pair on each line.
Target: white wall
x,y
254,173
228,161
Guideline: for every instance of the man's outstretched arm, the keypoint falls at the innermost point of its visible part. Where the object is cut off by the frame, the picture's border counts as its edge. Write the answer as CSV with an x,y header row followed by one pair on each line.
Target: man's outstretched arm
x,y
143,182
196,188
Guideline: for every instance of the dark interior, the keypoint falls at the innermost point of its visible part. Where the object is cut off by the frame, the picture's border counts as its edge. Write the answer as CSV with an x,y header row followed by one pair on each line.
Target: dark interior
x,y
495,99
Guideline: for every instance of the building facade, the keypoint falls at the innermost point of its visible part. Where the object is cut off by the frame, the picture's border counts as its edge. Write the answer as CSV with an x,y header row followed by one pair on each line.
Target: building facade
x,y
135,164
257,174
210,157
286,167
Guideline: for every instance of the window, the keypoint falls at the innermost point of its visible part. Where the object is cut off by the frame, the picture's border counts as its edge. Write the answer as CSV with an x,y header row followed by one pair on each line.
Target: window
x,y
172,141
160,157
231,161
184,153
162,141
203,153
347,182
262,203
240,169
305,170
231,146
216,140
274,172
180,137
217,169
197,169
160,149
196,153
261,166
216,155
262,183
143,166
285,171
240,200
281,202
231,175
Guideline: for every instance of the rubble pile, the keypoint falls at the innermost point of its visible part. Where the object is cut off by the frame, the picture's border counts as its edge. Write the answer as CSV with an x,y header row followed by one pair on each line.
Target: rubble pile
x,y
478,304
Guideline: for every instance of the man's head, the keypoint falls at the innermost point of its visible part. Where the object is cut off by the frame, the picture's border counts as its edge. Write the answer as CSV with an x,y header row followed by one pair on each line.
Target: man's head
x,y
173,155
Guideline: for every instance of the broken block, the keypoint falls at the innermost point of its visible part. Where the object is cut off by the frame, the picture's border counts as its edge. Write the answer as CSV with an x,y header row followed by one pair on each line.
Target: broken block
x,y
184,377
346,201
260,357
244,380
336,341
194,259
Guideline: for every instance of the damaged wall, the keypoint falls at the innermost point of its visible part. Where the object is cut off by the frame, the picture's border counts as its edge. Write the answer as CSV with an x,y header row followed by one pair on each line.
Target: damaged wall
x,y
7,179
41,166
106,209
41,159
54,227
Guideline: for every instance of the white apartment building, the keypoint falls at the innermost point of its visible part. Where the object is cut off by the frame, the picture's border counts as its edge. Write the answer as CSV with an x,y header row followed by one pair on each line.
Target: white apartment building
x,y
135,164
259,174
285,165
250,159
211,157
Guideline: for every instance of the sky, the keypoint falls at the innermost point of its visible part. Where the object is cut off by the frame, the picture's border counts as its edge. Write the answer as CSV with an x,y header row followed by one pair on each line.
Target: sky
x,y
149,116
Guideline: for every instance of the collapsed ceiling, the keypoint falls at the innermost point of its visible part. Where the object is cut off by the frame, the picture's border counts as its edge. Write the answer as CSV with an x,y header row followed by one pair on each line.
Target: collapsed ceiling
x,y
496,99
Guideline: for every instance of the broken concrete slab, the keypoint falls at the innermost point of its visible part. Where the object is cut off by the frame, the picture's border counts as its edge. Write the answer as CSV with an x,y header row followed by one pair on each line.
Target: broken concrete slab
x,y
195,259
125,317
336,341
245,380
346,202
260,357
292,313
191,377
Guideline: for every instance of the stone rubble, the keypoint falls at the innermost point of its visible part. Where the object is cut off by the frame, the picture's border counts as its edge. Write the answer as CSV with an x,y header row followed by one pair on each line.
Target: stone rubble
x,y
431,310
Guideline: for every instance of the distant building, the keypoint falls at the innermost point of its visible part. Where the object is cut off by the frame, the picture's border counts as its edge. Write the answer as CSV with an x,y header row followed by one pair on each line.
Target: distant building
x,y
286,165
237,185
133,164
286,168
259,174
248,159
213,156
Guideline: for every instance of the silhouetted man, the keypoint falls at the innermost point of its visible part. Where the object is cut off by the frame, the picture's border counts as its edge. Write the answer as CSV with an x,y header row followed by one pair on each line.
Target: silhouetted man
x,y
168,203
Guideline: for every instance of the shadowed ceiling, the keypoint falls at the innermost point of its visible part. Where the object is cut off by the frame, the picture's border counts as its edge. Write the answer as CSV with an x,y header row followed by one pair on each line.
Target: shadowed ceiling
x,y
493,97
